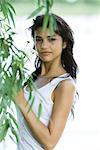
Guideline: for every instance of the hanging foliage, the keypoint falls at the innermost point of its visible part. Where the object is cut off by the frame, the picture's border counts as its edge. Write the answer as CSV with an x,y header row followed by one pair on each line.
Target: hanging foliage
x,y
11,71
12,65
46,6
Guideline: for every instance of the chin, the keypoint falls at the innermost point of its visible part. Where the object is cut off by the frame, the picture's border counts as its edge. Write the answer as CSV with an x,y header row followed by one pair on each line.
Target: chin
x,y
46,59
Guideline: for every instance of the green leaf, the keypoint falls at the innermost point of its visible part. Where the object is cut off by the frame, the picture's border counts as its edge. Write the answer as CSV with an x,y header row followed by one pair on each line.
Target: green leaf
x,y
0,109
3,130
13,119
35,12
6,102
12,139
45,22
2,119
51,28
11,7
4,9
39,110
47,5
14,132
50,3
39,1
31,104
30,94
52,24
11,16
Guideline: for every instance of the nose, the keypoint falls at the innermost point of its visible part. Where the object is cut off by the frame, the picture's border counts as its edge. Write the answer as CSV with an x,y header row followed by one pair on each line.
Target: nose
x,y
44,44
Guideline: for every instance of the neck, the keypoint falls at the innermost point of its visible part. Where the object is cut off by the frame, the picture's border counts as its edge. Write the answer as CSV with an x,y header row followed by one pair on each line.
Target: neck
x,y
51,69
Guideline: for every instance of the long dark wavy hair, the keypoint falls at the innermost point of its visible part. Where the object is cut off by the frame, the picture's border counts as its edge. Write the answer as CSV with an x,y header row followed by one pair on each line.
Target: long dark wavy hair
x,y
62,29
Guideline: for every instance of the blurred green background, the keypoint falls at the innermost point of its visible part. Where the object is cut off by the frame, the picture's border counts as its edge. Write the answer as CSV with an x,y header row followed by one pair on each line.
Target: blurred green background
x,y
63,7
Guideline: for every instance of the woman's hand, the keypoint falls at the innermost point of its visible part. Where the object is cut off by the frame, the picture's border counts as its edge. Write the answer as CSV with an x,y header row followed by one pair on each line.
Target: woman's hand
x,y
19,99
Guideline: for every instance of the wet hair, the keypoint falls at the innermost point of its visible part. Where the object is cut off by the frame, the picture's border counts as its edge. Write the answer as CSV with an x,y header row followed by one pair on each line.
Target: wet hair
x,y
62,29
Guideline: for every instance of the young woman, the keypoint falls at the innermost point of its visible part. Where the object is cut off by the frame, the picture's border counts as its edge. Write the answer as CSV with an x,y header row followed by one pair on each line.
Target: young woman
x,y
54,78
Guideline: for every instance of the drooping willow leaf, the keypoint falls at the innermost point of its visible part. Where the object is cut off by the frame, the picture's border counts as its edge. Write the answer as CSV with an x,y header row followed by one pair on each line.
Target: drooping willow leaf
x,y
31,104
35,12
45,21
4,8
11,16
13,119
13,131
39,2
52,24
8,10
50,3
11,7
39,111
3,130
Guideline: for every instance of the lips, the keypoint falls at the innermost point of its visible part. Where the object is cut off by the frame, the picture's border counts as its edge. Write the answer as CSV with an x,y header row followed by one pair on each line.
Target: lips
x,y
45,53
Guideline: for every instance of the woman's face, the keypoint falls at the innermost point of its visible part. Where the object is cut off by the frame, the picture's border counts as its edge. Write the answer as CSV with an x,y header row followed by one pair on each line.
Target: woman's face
x,y
49,46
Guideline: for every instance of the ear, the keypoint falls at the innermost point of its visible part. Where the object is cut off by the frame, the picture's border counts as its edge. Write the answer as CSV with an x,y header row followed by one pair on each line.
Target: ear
x,y
64,45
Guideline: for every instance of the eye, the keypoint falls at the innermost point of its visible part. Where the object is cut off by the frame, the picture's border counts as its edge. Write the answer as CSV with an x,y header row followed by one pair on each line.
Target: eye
x,y
51,39
39,40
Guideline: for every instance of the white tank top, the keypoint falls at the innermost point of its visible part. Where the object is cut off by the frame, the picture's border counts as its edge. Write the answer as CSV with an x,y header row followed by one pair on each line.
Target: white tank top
x,y
42,95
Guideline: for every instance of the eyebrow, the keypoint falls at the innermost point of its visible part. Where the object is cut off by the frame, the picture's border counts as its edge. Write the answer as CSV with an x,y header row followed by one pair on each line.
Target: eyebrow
x,y
47,36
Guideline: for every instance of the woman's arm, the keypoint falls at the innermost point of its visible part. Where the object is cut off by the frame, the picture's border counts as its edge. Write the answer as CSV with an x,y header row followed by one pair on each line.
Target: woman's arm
x,y
63,99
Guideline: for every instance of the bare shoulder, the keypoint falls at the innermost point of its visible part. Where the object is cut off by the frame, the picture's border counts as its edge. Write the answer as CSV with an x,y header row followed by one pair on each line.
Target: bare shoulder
x,y
66,85
64,92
